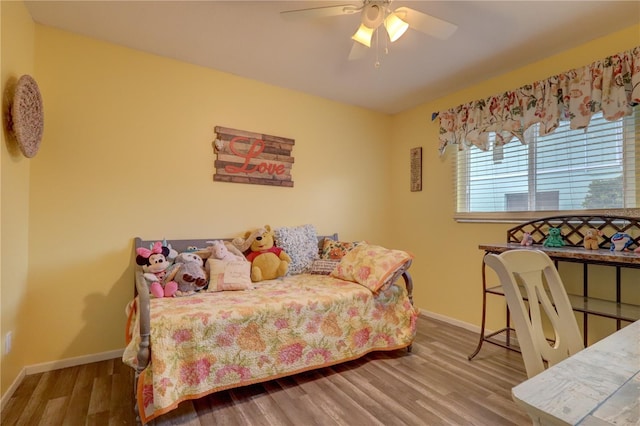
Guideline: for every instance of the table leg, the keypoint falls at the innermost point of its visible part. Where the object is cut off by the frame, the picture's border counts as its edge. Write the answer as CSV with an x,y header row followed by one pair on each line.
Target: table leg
x,y
484,313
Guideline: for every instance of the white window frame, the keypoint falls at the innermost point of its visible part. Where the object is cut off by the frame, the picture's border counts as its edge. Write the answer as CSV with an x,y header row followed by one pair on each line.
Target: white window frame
x,y
631,169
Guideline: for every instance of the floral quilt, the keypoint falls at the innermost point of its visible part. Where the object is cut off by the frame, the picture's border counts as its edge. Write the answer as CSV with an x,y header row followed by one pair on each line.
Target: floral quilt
x,y
220,340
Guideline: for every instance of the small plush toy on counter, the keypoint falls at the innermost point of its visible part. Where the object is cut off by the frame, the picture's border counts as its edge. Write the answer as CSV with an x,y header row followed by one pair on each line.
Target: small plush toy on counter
x,y
590,241
267,260
554,239
154,265
620,241
527,239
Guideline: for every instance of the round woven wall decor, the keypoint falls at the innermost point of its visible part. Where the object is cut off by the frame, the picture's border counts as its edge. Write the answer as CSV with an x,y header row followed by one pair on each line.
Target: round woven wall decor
x,y
27,115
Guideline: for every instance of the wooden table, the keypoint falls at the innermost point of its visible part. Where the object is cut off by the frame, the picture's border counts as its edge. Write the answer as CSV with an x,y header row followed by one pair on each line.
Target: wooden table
x,y
598,386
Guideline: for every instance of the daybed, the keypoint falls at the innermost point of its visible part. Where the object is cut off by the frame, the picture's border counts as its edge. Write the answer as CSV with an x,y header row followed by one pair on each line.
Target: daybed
x,y
187,347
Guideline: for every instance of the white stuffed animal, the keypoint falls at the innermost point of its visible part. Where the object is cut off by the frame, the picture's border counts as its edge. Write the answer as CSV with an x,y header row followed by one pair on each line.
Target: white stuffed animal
x,y
220,251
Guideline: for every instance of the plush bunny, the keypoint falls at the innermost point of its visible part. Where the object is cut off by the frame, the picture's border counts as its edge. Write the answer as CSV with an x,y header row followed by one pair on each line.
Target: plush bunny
x,y
219,250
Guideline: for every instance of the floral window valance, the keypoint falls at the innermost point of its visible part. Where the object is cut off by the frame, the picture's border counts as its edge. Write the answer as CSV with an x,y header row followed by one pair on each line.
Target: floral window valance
x,y
610,85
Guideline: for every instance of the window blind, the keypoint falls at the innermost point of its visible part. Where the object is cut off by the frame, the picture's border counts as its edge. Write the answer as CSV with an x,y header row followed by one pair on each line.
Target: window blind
x,y
592,169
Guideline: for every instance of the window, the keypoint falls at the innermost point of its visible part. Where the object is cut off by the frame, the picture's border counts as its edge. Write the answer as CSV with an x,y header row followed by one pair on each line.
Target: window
x,y
549,200
565,171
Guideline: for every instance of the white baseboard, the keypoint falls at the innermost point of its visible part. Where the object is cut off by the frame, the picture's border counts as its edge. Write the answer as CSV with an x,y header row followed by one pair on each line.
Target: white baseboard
x,y
14,386
72,362
462,324
56,365
453,321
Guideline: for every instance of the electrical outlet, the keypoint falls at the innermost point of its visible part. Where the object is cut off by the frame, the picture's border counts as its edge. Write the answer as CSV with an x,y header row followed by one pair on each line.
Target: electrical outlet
x,y
7,342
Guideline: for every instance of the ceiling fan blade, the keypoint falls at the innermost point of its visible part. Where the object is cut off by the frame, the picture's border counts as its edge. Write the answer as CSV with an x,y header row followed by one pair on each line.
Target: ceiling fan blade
x,y
358,51
320,12
426,23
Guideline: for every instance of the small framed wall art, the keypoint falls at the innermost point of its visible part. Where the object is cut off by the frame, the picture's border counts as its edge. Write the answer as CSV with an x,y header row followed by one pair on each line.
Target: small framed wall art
x,y
416,169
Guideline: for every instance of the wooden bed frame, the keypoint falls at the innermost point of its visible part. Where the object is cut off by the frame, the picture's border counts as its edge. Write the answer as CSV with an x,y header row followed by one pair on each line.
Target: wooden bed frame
x,y
142,291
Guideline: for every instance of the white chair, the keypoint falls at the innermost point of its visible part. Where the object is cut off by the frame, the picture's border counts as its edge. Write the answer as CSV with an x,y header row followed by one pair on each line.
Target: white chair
x,y
523,270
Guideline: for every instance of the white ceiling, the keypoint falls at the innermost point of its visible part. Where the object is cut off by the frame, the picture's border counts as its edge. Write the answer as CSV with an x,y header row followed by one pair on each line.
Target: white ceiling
x,y
251,39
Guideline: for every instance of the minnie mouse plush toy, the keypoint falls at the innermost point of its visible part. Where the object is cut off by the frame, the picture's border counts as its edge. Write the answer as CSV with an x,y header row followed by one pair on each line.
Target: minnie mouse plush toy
x,y
154,264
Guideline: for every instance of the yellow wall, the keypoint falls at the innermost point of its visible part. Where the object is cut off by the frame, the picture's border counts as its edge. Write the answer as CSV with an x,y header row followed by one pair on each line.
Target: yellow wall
x,y
17,39
127,152
446,270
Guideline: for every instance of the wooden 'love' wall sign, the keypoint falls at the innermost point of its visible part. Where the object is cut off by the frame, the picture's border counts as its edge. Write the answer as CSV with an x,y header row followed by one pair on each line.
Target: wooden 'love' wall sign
x,y
247,157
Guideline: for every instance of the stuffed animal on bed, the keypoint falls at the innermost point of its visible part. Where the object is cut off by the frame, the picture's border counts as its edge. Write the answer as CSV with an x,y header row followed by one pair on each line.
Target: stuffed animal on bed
x,y
154,265
220,251
267,261
189,274
173,253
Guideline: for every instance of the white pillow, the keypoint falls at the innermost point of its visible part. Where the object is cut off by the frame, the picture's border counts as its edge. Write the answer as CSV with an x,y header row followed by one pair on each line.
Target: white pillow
x,y
225,275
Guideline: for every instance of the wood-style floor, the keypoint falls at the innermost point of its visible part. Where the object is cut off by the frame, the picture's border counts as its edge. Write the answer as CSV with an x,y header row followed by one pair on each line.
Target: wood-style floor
x,y
433,385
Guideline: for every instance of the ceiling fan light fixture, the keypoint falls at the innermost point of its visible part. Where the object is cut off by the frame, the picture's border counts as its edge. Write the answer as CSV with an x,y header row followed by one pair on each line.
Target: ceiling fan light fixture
x,y
363,35
395,26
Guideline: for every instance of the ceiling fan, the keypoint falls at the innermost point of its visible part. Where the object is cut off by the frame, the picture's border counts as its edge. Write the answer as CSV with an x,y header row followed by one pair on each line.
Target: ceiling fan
x,y
376,13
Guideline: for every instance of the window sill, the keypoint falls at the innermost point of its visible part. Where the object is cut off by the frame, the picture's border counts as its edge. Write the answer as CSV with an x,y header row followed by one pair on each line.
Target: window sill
x,y
519,217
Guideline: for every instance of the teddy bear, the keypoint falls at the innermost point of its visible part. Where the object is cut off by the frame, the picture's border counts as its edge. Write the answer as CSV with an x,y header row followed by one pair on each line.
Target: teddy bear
x,y
554,239
220,251
267,260
590,241
189,273
154,265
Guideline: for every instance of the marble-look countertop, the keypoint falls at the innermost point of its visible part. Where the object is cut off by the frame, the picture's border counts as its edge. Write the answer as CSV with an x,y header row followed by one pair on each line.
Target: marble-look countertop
x,y
570,253
599,385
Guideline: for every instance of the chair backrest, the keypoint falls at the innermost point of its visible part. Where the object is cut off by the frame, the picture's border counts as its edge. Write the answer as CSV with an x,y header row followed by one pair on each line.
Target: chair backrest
x,y
521,274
